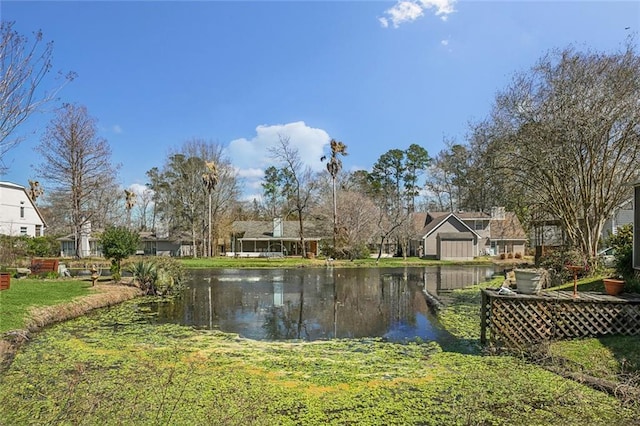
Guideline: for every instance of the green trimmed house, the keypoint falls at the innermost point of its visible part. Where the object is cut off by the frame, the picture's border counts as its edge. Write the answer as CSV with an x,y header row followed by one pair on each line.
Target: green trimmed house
x,y
275,238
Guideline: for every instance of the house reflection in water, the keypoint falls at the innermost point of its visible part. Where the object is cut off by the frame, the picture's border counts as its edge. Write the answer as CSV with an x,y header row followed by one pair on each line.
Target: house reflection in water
x,y
316,303
439,279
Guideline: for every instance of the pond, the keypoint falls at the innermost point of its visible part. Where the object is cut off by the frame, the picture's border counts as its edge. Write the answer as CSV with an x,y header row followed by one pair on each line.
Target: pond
x,y
318,303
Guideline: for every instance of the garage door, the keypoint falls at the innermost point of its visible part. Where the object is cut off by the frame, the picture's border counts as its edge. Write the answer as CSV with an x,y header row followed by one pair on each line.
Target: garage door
x,y
455,247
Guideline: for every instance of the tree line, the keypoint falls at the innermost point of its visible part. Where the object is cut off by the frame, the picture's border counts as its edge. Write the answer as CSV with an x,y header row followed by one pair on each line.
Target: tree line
x,y
562,142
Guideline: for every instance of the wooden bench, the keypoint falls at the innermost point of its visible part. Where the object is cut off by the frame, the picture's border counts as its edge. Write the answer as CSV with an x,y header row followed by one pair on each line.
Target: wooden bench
x,y
5,281
44,266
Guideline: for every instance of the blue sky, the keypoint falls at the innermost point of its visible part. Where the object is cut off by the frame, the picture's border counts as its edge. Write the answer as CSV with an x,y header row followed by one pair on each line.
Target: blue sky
x,y
376,75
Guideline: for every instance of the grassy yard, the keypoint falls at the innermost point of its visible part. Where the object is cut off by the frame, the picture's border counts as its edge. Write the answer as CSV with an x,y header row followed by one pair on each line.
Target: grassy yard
x,y
27,293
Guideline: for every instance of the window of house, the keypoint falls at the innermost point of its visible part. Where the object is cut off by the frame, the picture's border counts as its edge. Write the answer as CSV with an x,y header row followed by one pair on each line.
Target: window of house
x,y
68,248
38,230
479,225
23,230
22,212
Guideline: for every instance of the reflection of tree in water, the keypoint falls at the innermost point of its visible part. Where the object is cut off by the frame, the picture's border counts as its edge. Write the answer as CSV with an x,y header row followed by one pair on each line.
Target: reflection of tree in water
x,y
285,322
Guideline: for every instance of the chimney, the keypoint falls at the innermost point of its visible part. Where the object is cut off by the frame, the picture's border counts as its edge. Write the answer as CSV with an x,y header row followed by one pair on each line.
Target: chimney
x,y
277,227
497,213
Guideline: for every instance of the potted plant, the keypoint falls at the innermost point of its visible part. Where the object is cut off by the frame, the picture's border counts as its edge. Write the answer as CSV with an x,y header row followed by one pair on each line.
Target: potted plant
x,y
530,281
622,244
613,285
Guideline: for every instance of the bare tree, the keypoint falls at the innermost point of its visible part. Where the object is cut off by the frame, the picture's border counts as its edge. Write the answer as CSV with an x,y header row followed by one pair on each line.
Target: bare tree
x,y
299,184
24,64
181,199
358,219
571,135
145,198
77,164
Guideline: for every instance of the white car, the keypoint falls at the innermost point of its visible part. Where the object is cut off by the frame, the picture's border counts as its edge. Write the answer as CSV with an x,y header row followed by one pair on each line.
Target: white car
x,y
607,257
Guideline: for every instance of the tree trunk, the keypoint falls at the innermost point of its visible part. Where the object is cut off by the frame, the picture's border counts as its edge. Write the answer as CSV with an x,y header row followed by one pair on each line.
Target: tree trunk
x,y
304,249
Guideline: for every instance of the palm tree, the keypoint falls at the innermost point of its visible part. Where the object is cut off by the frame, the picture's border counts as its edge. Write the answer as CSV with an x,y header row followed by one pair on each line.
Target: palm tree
x,y
334,165
145,274
210,181
130,201
35,190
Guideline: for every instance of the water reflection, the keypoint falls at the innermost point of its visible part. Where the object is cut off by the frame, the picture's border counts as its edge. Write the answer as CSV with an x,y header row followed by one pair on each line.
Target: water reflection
x,y
319,303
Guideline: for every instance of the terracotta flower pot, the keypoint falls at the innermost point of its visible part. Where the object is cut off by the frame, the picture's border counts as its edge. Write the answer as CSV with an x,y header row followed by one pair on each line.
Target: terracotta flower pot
x,y
613,286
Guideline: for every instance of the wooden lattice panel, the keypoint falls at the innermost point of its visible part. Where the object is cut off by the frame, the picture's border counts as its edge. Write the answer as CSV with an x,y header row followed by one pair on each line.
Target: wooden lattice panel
x,y
524,319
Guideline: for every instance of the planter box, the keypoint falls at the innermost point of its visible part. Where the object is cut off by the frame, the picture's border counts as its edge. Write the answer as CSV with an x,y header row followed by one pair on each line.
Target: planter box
x,y
5,281
528,281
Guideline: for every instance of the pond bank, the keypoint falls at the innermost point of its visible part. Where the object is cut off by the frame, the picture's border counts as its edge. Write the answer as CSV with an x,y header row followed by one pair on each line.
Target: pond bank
x,y
38,317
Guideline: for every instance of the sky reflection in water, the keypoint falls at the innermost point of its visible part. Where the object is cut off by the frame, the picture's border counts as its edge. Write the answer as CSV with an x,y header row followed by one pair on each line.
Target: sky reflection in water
x,y
319,303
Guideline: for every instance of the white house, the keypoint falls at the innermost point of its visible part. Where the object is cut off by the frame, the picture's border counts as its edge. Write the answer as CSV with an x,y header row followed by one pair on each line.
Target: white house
x,y
622,215
18,213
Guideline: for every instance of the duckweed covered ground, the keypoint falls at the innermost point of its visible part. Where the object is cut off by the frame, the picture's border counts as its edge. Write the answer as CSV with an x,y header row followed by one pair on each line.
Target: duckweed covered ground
x,y
113,367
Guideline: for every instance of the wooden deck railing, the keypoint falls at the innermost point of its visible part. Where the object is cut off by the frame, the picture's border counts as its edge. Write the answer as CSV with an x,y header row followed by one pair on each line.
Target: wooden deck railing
x,y
515,320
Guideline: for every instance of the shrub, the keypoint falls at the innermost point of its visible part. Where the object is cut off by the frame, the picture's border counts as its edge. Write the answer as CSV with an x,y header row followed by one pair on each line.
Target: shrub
x,y
118,243
556,261
622,243
161,276
43,246
518,255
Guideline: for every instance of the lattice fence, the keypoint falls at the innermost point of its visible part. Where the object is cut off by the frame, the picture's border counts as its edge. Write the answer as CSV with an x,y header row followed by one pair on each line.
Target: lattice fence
x,y
524,319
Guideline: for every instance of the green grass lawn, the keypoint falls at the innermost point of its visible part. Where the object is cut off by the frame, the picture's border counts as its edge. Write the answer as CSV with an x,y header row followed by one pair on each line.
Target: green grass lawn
x,y
26,293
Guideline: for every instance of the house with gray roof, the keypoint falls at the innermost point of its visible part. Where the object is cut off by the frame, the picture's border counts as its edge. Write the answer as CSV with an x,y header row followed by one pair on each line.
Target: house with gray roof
x,y
151,244
273,238
465,235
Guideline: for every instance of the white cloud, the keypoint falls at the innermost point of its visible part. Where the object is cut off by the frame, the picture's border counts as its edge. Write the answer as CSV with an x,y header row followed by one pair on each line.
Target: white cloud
x,y
116,128
403,11
138,188
410,10
444,42
250,173
443,7
252,156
